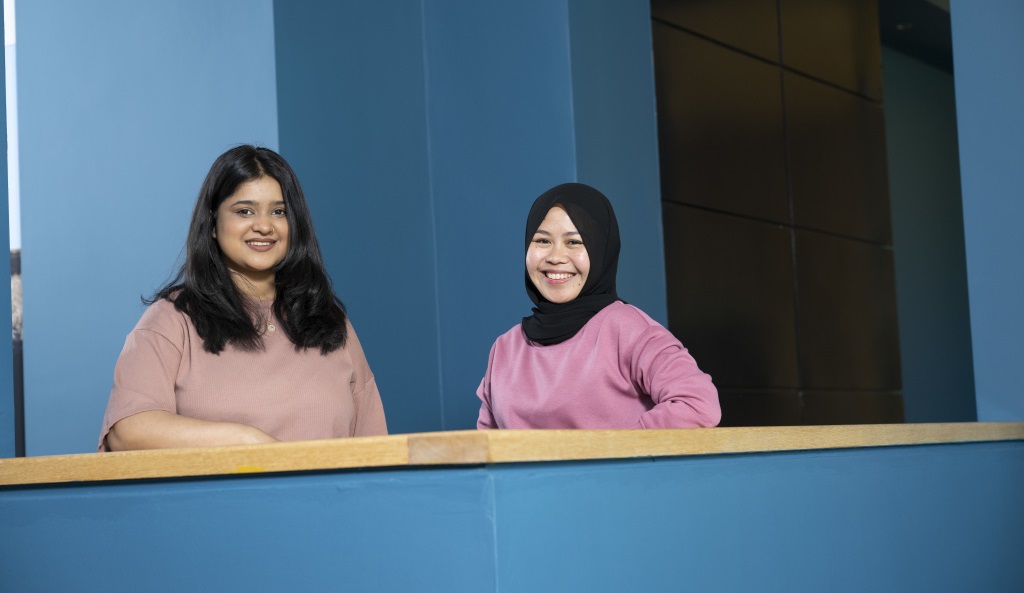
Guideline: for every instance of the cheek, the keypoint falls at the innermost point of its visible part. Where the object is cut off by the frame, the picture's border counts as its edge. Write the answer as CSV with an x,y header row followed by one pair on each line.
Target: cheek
x,y
582,264
221,232
532,258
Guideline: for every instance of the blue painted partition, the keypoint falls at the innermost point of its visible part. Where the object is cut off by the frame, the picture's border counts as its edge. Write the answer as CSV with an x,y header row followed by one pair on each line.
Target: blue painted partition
x,y
422,132
7,416
987,49
920,518
122,108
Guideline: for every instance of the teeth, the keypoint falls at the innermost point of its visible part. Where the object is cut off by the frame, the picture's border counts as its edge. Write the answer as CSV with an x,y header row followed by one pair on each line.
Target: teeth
x,y
260,243
559,276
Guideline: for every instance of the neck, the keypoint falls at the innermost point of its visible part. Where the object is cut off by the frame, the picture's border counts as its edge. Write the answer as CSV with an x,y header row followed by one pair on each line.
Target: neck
x,y
261,287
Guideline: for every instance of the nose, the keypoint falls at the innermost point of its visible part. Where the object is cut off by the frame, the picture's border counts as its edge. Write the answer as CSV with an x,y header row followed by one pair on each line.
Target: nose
x,y
557,254
262,224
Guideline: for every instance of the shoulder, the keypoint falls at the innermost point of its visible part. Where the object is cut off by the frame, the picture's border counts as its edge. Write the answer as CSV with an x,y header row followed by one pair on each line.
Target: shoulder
x,y
625,317
164,319
509,342
627,326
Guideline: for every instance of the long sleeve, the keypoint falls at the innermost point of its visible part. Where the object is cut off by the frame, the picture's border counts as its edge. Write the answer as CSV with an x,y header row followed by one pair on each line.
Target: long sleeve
x,y
485,420
622,370
683,395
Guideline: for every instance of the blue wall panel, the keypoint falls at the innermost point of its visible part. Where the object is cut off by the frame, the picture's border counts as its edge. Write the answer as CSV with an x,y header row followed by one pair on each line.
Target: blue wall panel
x,y
123,107
7,432
987,49
937,518
617,137
391,531
499,105
928,241
352,120
437,140
941,518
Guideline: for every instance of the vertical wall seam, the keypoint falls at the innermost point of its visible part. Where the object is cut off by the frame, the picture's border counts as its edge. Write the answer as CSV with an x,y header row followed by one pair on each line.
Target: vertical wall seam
x,y
792,217
433,208
277,86
572,90
494,528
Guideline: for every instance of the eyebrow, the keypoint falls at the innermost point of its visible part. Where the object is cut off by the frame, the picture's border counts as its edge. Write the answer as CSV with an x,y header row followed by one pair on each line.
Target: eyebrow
x,y
253,203
543,232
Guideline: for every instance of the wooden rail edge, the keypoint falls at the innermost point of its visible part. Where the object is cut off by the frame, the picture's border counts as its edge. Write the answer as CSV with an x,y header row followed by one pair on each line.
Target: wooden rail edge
x,y
482,447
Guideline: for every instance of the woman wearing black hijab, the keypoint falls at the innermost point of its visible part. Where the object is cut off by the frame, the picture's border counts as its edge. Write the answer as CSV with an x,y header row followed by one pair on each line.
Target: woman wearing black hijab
x,y
585,358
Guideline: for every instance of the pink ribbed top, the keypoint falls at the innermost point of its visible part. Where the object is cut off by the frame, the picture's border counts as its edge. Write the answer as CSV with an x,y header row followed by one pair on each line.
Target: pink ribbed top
x,y
287,394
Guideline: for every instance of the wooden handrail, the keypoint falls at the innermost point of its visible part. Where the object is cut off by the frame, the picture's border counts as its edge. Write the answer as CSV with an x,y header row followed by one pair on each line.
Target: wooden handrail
x,y
472,447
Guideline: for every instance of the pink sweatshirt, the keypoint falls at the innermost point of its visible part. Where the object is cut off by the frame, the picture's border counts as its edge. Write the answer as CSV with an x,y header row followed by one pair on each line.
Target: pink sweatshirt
x,y
621,370
287,394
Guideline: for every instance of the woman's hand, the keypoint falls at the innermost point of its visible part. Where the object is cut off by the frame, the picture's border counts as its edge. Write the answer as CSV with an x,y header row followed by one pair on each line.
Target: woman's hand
x,y
157,429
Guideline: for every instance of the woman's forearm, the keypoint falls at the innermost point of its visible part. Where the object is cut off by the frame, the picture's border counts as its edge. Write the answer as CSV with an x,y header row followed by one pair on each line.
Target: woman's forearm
x,y
157,429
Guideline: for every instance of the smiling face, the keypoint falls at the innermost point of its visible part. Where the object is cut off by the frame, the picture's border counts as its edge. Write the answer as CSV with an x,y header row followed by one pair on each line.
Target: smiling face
x,y
252,233
556,260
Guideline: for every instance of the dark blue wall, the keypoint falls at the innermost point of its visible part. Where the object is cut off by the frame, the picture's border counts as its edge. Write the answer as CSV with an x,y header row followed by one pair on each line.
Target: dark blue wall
x,y
987,49
925,518
928,241
616,136
351,113
423,131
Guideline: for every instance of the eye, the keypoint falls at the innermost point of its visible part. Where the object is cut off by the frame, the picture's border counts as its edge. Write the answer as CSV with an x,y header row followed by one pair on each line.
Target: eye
x,y
278,212
576,242
541,240
244,212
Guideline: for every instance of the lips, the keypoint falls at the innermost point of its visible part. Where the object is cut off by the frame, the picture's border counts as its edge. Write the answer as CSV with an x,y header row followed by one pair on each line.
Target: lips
x,y
260,245
558,277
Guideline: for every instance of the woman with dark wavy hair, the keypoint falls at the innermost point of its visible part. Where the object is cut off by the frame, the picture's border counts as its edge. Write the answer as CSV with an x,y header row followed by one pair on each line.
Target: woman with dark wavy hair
x,y
248,342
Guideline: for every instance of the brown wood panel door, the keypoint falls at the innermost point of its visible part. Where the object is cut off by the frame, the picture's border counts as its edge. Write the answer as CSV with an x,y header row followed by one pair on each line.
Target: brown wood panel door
x,y
748,25
730,296
852,407
834,40
846,303
720,127
760,407
837,161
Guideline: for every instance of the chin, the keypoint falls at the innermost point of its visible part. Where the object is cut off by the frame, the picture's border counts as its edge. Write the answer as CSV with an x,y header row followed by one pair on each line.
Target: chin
x,y
561,299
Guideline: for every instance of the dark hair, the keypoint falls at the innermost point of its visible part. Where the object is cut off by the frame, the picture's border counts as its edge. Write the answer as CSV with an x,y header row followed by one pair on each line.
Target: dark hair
x,y
310,313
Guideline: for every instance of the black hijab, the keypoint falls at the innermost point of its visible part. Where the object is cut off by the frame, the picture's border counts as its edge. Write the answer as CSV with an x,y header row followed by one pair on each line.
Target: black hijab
x,y
594,218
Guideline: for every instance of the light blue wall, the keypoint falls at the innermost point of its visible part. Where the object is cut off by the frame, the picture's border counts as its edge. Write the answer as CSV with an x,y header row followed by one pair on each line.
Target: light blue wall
x,y
123,106
7,432
928,241
987,49
936,518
